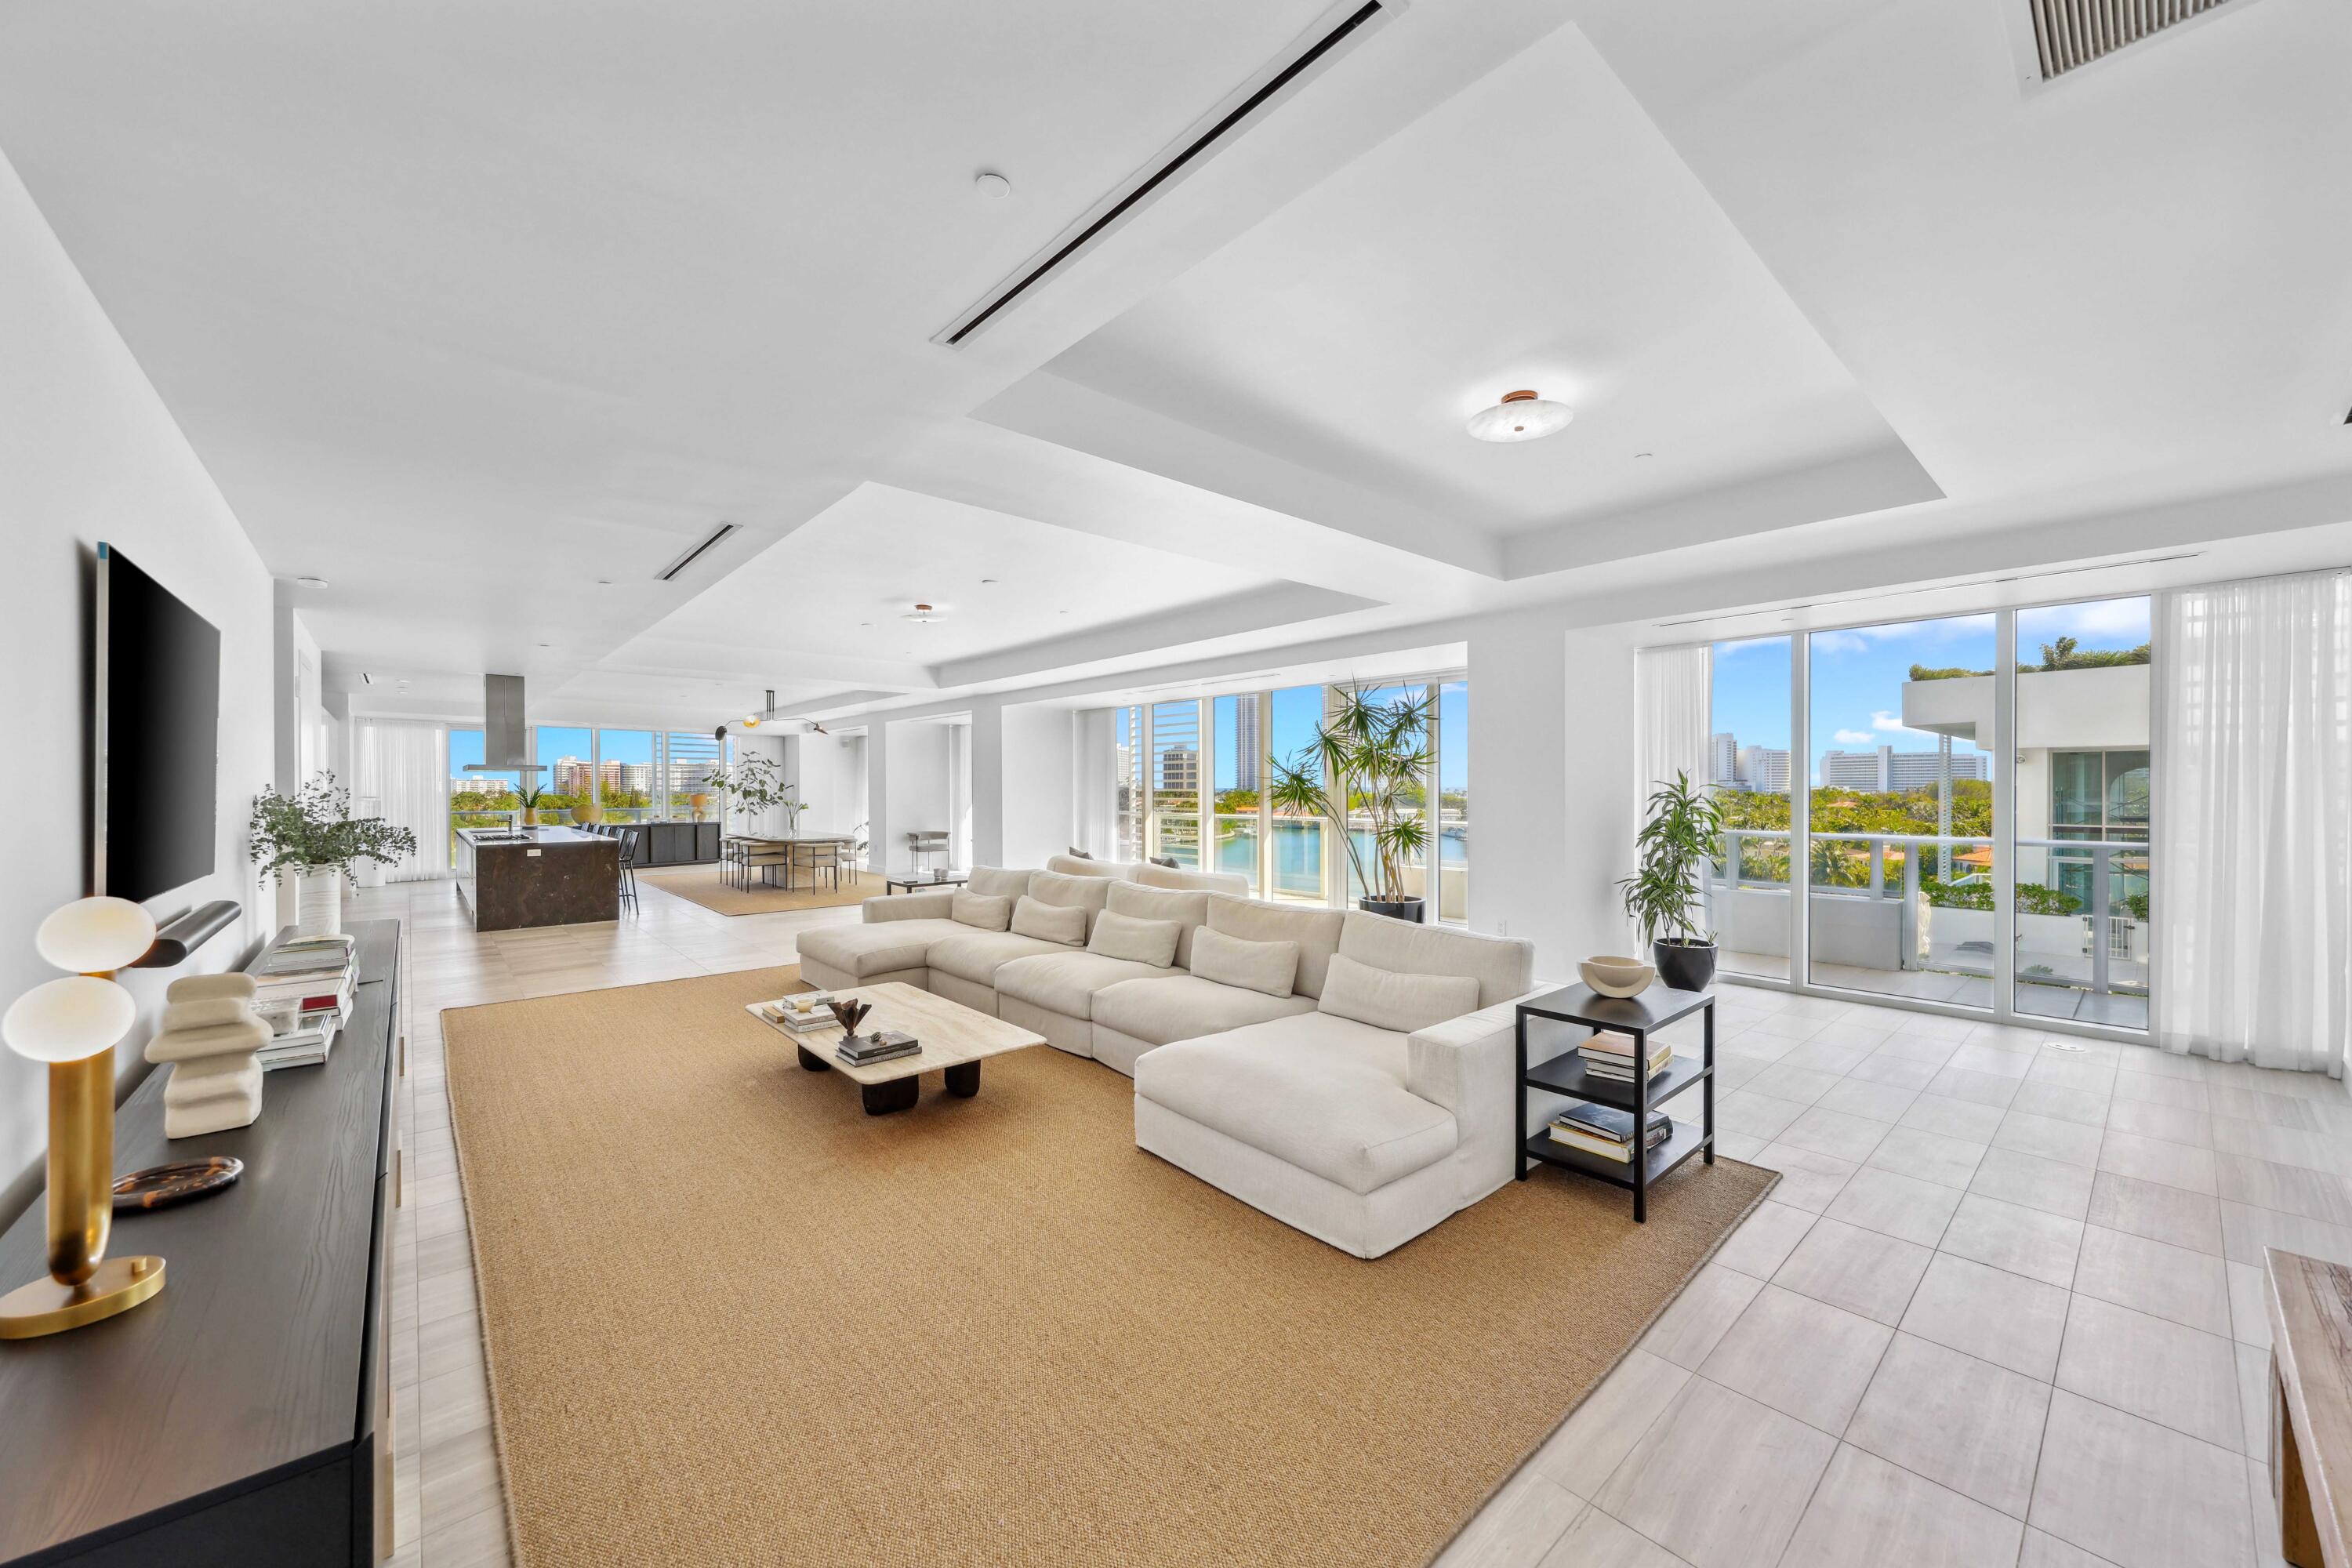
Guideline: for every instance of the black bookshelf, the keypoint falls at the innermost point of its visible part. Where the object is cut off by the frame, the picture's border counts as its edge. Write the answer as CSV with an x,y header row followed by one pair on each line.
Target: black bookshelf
x,y
1562,1020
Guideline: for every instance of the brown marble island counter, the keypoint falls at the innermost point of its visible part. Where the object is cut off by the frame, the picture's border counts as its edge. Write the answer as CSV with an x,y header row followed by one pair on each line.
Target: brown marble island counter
x,y
538,877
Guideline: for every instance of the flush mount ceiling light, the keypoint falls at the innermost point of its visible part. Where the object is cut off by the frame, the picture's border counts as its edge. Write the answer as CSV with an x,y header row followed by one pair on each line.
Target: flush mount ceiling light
x,y
922,614
1520,417
991,186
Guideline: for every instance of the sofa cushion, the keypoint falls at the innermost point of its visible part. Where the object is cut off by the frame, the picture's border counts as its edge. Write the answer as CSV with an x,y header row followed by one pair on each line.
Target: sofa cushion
x,y
1067,983
1505,967
983,912
1324,1093
1316,933
998,882
1389,1000
864,949
1152,875
975,956
1189,911
1183,1006
1049,922
1084,894
1086,865
1134,938
1268,966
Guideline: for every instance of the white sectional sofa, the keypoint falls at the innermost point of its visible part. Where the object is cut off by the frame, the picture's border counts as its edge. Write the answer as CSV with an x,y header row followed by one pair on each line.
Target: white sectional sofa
x,y
1347,1073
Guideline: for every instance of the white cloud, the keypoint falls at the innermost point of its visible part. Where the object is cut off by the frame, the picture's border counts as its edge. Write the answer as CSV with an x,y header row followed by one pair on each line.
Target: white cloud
x,y
1840,642
1888,722
1855,738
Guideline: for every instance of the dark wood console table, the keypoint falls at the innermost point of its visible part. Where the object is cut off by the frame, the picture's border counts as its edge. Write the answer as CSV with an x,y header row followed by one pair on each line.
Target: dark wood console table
x,y
244,1415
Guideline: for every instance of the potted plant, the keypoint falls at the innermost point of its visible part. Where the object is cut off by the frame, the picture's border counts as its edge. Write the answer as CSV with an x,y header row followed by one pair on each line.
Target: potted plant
x,y
1665,896
312,835
1371,761
529,794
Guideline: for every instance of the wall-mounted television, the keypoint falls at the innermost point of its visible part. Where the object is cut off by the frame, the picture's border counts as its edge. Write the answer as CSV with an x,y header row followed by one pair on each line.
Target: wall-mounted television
x,y
156,731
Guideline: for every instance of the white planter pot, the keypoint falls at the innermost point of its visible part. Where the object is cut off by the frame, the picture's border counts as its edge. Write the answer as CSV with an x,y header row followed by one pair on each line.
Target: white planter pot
x,y
319,903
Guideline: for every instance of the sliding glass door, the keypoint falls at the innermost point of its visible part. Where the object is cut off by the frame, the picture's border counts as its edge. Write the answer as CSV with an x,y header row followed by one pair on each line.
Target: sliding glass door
x,y
1176,783
1747,763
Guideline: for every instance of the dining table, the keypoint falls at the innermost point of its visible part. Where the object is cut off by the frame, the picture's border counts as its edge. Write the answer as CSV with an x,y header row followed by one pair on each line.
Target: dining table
x,y
789,843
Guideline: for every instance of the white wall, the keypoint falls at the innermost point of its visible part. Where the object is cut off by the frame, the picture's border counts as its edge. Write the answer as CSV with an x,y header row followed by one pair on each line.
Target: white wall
x,y
824,771
87,452
916,793
1036,762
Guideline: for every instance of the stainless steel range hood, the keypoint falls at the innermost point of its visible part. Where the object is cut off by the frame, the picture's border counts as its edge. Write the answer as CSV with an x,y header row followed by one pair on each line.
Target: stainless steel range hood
x,y
505,742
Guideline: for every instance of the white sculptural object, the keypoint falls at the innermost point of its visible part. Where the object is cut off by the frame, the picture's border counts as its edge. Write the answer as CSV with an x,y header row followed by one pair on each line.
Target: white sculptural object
x,y
209,1036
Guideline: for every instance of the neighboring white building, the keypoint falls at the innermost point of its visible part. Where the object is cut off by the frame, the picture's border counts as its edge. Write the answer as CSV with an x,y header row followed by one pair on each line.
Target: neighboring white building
x,y
1723,758
1247,749
1763,770
1888,769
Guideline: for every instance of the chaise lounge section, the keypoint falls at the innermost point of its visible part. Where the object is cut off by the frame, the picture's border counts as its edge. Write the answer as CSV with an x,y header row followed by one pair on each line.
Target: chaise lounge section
x,y
1346,1073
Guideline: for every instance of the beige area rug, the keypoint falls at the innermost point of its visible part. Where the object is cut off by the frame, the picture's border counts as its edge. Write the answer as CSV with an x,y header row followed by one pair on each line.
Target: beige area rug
x,y
730,1319
703,884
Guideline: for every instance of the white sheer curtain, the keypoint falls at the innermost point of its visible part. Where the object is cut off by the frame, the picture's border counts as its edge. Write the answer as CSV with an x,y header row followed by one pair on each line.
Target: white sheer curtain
x,y
2251,841
1093,825
406,768
1672,696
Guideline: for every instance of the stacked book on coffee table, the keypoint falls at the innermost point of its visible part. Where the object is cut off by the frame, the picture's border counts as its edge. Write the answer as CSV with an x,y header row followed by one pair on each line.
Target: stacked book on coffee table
x,y
1607,1131
865,1050
1611,1055
806,1018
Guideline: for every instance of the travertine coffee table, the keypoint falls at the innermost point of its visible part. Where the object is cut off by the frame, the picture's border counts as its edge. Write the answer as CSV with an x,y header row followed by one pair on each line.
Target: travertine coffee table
x,y
955,1040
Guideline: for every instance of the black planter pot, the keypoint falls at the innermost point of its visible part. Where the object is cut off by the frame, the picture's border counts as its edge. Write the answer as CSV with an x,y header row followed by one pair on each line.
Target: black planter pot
x,y
1684,965
1399,909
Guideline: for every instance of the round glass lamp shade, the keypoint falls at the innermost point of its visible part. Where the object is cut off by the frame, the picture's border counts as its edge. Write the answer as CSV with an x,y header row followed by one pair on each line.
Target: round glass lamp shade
x,y
91,935
66,1020
1520,417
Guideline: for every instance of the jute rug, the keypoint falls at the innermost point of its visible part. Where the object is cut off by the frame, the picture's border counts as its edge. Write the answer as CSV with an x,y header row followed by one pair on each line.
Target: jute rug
x,y
730,1319
703,884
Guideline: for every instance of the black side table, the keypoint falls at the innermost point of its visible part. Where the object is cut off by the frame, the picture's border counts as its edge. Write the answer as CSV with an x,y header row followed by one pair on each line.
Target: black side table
x,y
1564,1073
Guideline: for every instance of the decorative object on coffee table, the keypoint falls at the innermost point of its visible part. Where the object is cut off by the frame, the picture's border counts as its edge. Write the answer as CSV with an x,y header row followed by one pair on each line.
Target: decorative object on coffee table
x,y
851,1012
72,1026
161,1187
1615,976
1554,1024
1665,896
1367,759
209,1040
953,1038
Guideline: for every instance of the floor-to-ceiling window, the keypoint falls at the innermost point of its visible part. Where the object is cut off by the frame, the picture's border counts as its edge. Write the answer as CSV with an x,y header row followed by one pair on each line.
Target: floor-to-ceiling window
x,y
2082,872
1295,872
1900,870
1238,748
1176,781
1133,807
567,775
1453,753
1748,764
625,773
477,799
689,758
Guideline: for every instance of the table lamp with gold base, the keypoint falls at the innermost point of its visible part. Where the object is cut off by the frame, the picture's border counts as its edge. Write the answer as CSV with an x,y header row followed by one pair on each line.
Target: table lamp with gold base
x,y
72,1026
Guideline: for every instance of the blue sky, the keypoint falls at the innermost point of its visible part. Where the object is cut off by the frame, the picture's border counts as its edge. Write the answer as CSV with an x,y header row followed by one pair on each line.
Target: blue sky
x,y
1297,707
1858,675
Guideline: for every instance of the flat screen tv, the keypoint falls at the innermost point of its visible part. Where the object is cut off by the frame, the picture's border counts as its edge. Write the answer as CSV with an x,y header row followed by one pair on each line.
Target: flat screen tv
x,y
157,735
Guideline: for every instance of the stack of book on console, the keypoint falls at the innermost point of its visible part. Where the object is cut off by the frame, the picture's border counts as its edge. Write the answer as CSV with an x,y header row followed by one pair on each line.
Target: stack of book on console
x,y
1607,1131
1611,1055
805,1016
302,990
865,1050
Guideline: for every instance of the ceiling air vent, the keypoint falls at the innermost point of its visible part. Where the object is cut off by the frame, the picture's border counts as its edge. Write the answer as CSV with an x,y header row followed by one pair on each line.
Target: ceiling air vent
x,y
694,552
1344,26
2071,33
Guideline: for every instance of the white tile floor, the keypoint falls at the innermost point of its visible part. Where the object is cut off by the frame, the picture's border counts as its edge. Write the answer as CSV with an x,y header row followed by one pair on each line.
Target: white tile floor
x,y
2003,1309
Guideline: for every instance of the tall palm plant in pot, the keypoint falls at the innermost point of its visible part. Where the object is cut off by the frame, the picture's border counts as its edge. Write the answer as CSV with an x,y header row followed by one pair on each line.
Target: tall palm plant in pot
x,y
1666,896
1369,761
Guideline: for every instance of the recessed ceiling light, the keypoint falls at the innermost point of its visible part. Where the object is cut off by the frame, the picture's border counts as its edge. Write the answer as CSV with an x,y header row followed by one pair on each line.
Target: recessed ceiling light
x,y
1642,454
991,186
1520,417
985,581
311,582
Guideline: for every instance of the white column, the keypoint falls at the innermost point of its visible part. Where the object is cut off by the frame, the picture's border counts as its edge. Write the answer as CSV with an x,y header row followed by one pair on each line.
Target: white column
x,y
987,782
1039,797
879,856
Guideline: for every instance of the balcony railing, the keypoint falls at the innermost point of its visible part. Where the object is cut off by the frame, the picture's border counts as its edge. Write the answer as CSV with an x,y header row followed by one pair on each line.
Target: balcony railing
x,y
1924,903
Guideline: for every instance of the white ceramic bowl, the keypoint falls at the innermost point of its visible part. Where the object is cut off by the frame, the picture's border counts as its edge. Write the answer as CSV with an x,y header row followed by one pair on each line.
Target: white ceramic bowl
x,y
1613,977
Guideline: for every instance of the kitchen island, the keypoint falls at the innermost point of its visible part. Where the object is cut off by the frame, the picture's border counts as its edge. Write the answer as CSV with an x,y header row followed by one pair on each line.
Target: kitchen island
x,y
512,878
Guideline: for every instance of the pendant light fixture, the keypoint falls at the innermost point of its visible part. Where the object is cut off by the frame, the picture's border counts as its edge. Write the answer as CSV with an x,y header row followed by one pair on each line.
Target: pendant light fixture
x,y
1520,417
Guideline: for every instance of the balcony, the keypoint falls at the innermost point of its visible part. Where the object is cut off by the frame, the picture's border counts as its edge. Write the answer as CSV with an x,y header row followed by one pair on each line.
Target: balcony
x,y
1911,915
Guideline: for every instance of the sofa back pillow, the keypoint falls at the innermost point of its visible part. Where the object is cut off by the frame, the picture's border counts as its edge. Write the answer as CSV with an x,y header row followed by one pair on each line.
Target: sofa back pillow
x,y
1316,933
1083,893
1268,966
1155,874
983,910
1504,967
1387,999
1189,911
998,881
1073,865
1135,939
1049,922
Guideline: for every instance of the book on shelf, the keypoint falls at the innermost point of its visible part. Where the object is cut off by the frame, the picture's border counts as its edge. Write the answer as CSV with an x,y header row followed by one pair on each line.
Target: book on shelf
x,y
1605,1130
1612,1057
